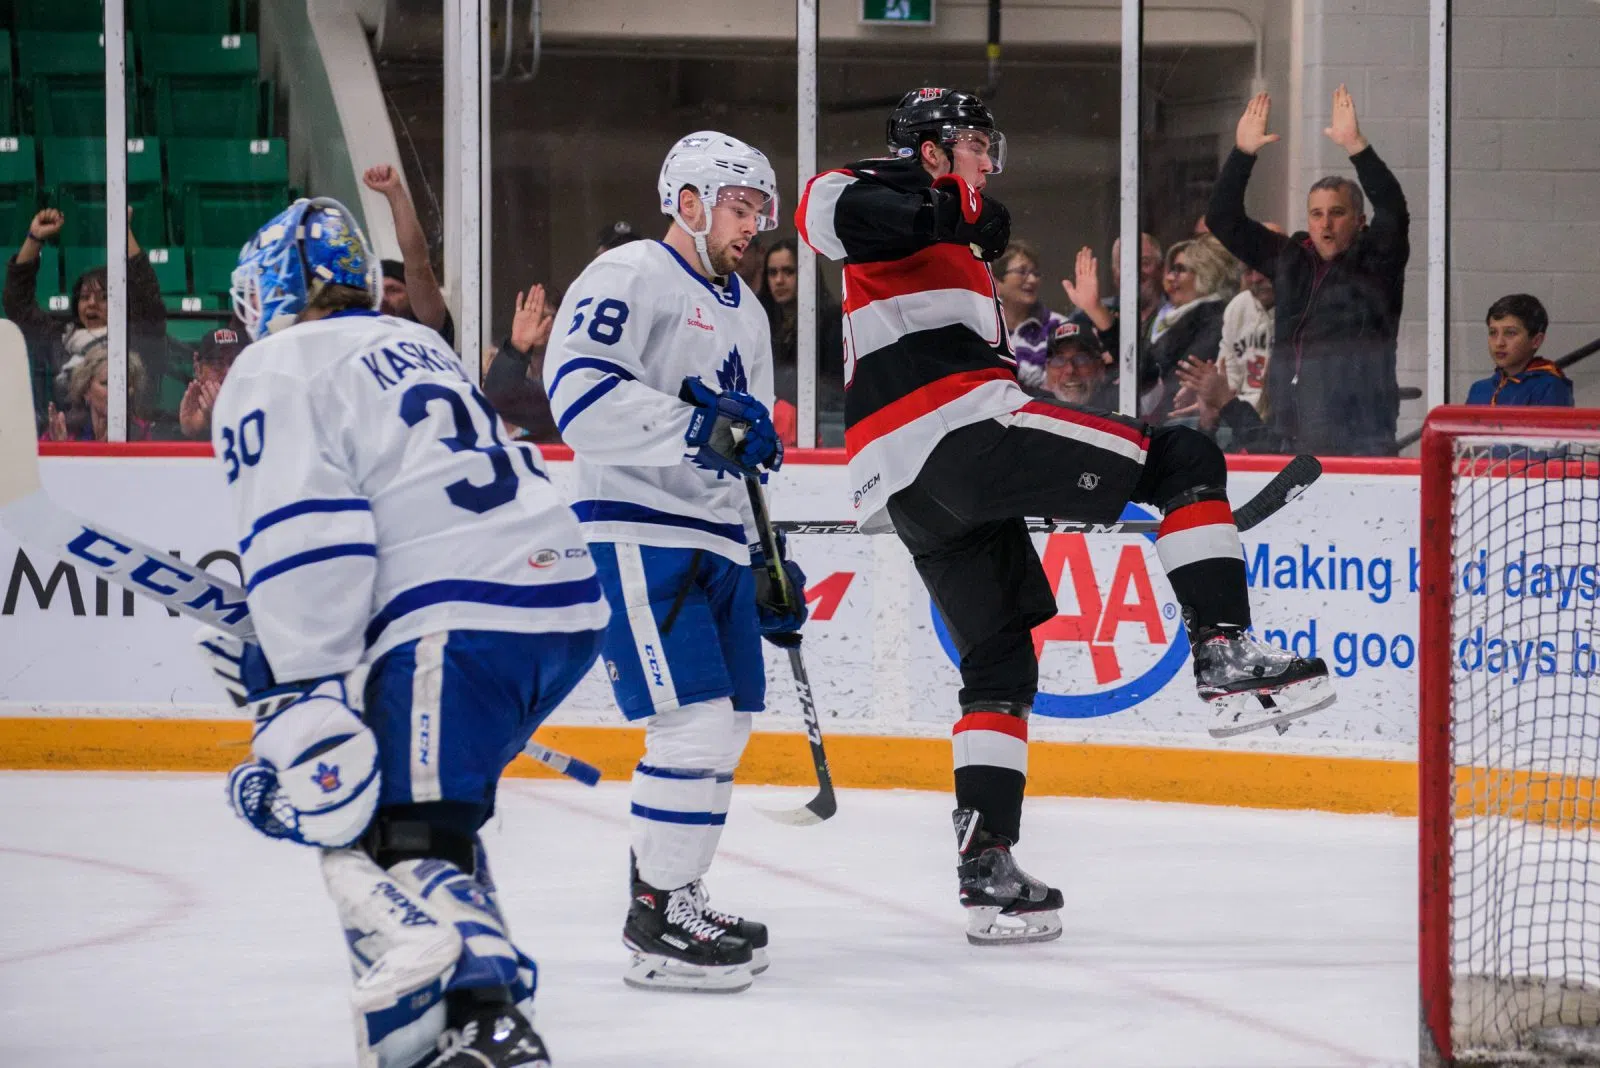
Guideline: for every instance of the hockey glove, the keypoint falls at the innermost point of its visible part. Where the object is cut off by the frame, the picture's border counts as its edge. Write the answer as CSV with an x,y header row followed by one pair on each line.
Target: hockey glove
x,y
966,217
776,615
730,432
238,664
314,779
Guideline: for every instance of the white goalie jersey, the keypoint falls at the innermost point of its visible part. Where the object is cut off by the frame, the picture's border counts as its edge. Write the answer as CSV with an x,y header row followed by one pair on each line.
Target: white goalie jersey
x,y
376,501
630,329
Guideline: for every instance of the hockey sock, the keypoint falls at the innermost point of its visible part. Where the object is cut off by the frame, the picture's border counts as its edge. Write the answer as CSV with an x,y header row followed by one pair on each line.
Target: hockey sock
x,y
1201,552
681,790
990,744
675,823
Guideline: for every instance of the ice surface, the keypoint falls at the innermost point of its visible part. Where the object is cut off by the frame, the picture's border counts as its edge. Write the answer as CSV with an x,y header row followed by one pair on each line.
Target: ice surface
x,y
144,925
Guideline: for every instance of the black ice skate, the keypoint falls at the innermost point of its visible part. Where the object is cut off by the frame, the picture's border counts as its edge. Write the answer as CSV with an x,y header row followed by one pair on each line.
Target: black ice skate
x,y
1252,684
1005,905
676,947
749,930
496,1036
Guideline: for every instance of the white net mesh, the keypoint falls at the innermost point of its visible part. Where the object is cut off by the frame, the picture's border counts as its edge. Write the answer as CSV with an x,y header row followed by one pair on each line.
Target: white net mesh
x,y
1525,707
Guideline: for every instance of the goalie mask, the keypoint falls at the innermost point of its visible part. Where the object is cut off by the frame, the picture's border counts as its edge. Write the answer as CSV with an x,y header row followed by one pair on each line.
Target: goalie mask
x,y
311,244
709,162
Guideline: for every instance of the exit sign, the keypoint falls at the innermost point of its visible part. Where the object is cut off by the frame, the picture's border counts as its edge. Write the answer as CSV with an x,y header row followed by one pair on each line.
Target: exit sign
x,y
897,12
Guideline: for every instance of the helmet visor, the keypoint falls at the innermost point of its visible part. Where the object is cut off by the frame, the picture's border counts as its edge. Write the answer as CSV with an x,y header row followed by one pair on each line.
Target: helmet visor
x,y
991,143
744,200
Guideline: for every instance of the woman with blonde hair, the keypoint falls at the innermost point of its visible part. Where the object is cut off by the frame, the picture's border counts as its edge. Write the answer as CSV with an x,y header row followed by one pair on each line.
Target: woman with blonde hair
x,y
1200,278
88,400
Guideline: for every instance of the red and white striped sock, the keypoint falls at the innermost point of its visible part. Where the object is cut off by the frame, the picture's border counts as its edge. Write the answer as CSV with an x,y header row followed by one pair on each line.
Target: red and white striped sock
x,y
1203,557
991,761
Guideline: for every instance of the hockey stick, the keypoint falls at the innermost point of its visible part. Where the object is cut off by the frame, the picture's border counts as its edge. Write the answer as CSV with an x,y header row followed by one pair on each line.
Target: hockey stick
x,y
1291,481
825,804
29,513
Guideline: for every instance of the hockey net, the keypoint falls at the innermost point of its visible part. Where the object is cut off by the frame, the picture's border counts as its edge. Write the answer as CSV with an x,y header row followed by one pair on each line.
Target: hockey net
x,y
1510,737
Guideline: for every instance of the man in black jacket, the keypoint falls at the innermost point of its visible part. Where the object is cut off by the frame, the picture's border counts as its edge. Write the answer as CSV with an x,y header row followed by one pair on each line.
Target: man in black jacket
x,y
1340,284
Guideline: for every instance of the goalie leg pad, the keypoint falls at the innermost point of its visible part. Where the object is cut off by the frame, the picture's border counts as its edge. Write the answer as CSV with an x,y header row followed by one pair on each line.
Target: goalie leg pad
x,y
402,954
682,787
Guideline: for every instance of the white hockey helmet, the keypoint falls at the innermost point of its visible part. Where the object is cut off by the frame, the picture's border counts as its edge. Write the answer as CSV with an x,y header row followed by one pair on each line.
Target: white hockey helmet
x,y
708,162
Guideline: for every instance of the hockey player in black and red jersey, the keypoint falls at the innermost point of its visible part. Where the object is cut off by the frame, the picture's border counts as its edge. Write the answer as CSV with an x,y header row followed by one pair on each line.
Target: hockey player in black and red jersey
x,y
947,450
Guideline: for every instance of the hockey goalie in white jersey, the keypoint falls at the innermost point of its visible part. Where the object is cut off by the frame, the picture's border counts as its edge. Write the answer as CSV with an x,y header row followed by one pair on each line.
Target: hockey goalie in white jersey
x,y
423,599
661,380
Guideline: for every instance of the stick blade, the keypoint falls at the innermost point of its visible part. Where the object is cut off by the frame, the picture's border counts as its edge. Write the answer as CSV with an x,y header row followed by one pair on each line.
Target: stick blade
x,y
1285,486
19,438
819,808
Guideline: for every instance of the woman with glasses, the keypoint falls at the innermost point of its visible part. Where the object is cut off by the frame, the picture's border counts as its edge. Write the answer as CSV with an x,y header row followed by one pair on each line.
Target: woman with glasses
x,y
1200,278
1029,323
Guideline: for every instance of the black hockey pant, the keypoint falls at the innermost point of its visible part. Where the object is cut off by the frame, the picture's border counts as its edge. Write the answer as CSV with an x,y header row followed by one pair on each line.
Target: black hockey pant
x,y
962,520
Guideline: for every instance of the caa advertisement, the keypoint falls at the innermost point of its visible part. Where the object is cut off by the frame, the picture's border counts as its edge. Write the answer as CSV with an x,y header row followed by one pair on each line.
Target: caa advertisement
x,y
1333,575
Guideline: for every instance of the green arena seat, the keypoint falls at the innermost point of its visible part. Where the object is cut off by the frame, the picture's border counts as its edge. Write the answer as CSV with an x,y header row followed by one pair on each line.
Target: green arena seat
x,y
54,55
74,170
186,16
190,331
19,188
205,86
63,80
171,264
213,271
58,15
226,189
49,291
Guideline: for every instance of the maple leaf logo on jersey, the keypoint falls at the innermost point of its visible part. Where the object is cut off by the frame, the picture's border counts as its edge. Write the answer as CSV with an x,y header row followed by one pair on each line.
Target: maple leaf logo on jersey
x,y
731,375
326,777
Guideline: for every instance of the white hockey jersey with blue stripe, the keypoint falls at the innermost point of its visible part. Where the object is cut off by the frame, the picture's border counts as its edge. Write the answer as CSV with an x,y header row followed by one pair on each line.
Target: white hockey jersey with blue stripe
x,y
376,500
636,322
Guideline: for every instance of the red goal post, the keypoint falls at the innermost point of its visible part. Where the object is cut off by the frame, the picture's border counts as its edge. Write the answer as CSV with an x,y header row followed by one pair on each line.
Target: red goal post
x,y
1509,736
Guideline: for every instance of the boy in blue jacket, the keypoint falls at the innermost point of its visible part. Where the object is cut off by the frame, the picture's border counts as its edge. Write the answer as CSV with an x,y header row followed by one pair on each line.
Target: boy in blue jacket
x,y
1516,330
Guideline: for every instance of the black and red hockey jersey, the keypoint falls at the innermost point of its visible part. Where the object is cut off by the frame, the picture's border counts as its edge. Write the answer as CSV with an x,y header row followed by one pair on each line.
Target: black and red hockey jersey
x,y
925,348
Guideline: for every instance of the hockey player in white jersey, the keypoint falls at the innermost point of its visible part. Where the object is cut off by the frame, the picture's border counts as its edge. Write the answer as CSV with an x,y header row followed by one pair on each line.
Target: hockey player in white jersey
x,y
661,380
422,599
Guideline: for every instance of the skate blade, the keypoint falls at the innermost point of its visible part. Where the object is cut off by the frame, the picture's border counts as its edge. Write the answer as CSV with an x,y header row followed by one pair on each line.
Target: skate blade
x,y
1292,702
759,961
651,971
987,925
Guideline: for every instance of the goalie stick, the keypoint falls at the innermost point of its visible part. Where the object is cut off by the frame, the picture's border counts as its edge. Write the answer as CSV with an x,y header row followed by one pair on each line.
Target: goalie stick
x,y
1290,481
825,804
29,513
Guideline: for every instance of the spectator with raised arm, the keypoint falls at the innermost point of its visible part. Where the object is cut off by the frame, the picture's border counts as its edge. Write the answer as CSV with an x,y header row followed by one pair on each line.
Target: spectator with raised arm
x,y
1339,284
56,346
410,288
1517,324
514,380
1103,313
1029,323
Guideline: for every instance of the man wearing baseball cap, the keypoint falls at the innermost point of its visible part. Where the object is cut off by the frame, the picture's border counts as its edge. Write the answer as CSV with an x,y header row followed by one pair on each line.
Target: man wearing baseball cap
x,y
1075,368
216,353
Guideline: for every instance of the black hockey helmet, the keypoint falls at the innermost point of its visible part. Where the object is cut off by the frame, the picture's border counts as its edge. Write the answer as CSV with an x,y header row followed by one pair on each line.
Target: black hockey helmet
x,y
940,115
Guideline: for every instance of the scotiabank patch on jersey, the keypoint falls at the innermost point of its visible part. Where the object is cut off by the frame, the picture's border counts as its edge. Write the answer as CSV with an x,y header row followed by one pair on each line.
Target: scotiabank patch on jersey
x,y
1117,638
